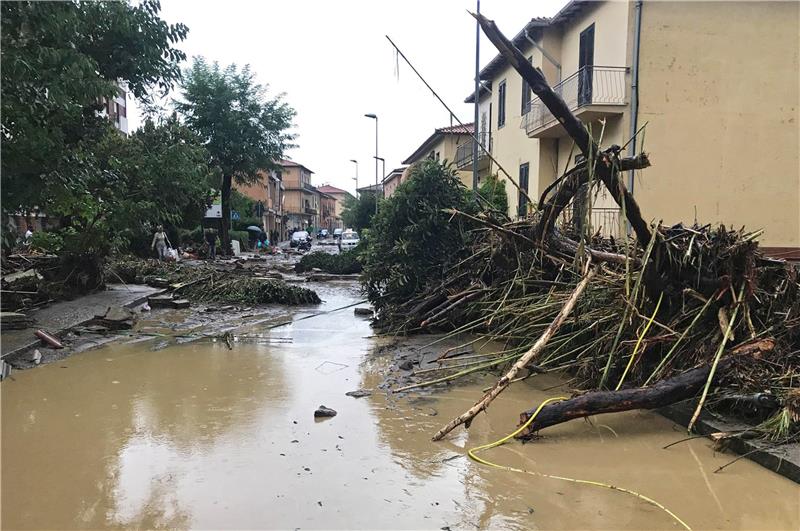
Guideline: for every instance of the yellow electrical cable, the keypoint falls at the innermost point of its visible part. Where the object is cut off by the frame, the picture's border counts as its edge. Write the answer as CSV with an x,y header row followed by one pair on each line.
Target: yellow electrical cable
x,y
639,342
499,442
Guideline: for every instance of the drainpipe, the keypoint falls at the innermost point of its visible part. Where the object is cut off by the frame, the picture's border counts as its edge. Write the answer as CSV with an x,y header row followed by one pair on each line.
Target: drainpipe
x,y
634,89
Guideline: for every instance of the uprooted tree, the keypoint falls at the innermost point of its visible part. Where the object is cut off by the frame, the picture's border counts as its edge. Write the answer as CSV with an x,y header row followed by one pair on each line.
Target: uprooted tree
x,y
631,319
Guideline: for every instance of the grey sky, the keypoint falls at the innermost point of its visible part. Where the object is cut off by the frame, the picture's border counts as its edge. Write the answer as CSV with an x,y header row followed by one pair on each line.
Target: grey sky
x,y
334,64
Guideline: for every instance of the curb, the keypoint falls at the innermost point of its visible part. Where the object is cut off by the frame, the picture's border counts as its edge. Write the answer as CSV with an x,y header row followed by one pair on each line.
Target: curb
x,y
783,460
36,342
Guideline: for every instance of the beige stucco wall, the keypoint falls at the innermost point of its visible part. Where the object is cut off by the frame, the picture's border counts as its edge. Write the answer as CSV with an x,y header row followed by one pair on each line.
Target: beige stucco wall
x,y
610,21
719,88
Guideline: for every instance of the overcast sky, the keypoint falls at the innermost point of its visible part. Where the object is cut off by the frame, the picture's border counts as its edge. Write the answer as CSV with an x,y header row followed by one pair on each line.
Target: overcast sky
x,y
334,63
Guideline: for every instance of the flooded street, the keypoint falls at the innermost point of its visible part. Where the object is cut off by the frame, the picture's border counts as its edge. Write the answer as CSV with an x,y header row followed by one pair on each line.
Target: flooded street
x,y
196,435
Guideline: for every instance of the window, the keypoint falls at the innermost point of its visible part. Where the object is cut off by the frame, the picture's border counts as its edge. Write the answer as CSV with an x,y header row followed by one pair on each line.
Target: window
x,y
437,155
501,104
526,93
522,211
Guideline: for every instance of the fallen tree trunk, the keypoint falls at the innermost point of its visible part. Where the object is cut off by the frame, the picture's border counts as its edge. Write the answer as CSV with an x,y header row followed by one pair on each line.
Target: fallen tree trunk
x,y
661,394
466,417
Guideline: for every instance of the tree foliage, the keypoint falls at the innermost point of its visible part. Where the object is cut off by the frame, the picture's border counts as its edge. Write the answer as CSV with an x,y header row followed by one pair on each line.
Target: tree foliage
x,y
358,213
59,60
413,238
244,130
493,190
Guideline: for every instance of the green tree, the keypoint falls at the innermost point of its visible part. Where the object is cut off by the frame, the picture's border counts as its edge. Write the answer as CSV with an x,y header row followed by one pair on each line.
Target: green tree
x,y
59,60
493,190
358,213
243,129
413,237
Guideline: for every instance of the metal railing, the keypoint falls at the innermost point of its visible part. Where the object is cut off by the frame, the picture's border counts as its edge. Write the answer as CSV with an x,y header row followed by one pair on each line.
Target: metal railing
x,y
591,85
309,210
464,151
605,221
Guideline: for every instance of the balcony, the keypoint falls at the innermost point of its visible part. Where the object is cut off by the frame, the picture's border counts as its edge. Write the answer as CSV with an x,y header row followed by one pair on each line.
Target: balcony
x,y
592,92
606,222
463,158
310,211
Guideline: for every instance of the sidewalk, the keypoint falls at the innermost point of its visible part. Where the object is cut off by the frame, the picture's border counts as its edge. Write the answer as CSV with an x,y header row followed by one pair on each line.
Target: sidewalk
x,y
61,316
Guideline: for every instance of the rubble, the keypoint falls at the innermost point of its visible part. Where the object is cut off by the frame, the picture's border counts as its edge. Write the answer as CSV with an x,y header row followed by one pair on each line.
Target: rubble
x,y
324,412
115,318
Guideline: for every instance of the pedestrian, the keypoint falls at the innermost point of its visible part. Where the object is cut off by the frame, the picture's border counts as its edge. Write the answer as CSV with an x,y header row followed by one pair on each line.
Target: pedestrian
x,y
211,239
161,243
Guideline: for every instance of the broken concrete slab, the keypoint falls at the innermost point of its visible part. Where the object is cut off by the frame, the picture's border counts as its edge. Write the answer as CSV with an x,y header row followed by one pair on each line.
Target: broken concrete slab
x,y
358,393
180,304
160,301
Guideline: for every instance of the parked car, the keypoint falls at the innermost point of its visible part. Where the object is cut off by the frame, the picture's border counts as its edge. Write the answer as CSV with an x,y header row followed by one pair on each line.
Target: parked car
x,y
337,233
349,239
299,237
322,234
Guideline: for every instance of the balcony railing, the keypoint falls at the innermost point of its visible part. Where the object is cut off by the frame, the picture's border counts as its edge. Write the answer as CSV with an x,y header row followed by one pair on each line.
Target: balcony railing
x,y
591,85
605,221
464,151
309,210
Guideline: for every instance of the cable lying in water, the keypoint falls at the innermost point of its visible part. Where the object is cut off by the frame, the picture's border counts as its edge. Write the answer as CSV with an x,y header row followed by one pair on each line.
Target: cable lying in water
x,y
505,439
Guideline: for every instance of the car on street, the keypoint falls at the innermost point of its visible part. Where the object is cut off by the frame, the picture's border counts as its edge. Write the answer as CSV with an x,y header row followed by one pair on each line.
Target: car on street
x,y
322,234
299,237
349,239
337,233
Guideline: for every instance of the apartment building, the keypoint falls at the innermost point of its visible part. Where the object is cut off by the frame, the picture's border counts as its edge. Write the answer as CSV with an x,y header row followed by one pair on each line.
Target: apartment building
x,y
301,202
339,197
267,191
721,108
393,180
444,145
116,109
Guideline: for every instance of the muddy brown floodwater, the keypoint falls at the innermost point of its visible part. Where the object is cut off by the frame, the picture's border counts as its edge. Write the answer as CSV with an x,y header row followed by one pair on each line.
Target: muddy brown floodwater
x,y
195,435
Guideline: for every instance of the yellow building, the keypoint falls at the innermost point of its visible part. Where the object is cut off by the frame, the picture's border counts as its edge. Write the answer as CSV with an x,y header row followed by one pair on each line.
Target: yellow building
x,y
721,107
301,204
339,196
444,145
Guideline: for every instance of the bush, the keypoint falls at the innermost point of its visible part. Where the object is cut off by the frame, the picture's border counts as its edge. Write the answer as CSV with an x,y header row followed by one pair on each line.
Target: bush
x,y
48,242
413,238
493,190
339,264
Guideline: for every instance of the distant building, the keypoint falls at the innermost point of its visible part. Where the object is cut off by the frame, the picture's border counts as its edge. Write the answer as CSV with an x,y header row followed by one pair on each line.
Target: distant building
x,y
393,180
339,196
444,145
301,203
268,193
116,109
371,189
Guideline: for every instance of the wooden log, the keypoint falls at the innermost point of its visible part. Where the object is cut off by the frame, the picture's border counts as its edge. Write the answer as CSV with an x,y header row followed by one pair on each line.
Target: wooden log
x,y
607,168
663,393
532,353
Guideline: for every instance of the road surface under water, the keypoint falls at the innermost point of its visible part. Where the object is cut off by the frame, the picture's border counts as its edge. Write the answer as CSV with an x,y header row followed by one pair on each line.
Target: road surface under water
x,y
196,435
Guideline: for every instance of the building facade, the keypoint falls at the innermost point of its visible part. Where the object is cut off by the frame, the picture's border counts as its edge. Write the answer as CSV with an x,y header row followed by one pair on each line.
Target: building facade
x,y
339,199
267,191
116,109
443,145
393,180
301,200
721,109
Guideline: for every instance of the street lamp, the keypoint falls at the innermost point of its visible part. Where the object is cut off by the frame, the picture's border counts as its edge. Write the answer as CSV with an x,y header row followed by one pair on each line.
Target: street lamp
x,y
354,161
375,117
383,167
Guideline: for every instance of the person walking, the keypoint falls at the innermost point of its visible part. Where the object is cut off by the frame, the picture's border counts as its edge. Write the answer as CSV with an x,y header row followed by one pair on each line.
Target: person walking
x,y
160,243
211,239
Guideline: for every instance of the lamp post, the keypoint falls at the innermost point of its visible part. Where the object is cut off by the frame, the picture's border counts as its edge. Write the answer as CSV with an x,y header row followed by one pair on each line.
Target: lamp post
x,y
375,117
354,161
383,170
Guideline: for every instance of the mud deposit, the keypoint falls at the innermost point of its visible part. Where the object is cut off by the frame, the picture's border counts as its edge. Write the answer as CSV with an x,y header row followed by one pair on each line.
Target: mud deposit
x,y
196,435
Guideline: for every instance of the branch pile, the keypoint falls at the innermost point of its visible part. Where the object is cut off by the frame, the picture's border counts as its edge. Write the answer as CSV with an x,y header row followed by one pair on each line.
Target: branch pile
x,y
677,312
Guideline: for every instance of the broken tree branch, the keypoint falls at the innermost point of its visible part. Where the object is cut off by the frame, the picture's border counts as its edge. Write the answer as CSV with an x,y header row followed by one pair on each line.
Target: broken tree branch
x,y
466,417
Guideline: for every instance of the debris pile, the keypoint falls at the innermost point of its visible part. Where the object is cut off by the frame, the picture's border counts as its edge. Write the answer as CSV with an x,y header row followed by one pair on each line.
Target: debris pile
x,y
344,263
678,312
206,283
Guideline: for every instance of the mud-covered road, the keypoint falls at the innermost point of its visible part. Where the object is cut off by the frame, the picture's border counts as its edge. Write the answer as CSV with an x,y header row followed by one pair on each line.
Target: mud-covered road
x,y
157,433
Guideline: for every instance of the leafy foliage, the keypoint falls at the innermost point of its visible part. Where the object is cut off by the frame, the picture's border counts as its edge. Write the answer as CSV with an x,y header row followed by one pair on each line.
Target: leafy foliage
x,y
344,263
243,129
413,239
493,190
358,213
59,60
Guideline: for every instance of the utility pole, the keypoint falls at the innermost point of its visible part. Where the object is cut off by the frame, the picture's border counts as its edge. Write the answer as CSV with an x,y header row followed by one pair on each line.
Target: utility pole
x,y
354,161
477,103
375,117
